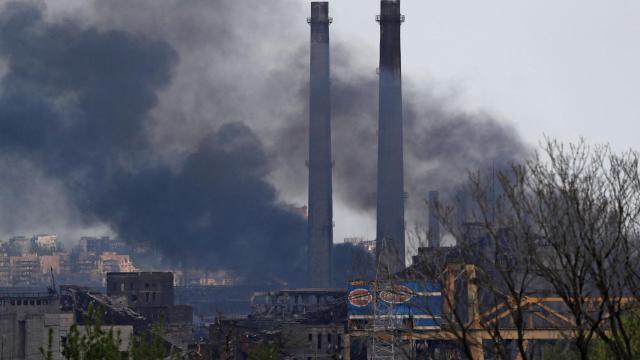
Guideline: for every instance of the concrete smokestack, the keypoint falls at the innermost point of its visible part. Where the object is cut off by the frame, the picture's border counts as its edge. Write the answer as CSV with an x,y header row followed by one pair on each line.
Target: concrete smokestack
x,y
390,242
320,162
434,224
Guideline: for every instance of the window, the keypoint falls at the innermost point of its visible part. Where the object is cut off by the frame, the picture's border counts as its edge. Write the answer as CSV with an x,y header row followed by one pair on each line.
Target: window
x,y
319,341
19,302
329,338
310,337
38,302
340,340
146,295
32,302
153,297
122,287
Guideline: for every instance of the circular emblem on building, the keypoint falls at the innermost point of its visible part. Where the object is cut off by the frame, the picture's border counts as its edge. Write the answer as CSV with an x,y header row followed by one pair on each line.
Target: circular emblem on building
x,y
396,294
360,297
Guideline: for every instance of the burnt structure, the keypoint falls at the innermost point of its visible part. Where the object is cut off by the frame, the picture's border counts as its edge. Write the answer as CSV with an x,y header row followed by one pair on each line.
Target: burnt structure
x,y
151,294
433,234
390,244
320,163
141,289
313,322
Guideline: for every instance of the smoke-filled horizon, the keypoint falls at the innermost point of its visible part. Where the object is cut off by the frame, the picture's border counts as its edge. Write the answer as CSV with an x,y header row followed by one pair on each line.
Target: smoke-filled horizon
x,y
185,127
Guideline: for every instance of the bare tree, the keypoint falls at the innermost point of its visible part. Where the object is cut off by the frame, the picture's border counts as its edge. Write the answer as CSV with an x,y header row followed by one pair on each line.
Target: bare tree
x,y
562,225
580,204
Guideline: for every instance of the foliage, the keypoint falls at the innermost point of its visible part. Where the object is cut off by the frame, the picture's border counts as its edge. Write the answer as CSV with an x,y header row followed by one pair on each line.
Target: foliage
x,y
151,346
48,354
96,343
265,352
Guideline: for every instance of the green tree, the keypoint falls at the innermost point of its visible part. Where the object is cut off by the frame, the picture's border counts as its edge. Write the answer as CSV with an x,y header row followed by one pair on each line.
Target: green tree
x,y
94,343
150,346
265,352
48,354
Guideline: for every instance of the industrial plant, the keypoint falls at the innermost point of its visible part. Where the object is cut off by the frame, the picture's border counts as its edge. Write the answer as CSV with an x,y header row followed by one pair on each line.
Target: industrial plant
x,y
523,261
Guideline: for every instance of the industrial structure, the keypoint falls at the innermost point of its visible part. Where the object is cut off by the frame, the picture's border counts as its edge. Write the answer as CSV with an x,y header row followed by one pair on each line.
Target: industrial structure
x,y
433,232
320,162
305,323
390,247
151,294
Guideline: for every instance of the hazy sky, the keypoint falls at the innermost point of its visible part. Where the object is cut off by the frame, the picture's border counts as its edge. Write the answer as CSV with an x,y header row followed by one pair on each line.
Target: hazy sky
x,y
567,69
562,68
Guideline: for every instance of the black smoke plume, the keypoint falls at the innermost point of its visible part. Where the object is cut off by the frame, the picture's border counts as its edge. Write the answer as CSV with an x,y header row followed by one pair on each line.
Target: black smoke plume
x,y
75,101
442,143
130,115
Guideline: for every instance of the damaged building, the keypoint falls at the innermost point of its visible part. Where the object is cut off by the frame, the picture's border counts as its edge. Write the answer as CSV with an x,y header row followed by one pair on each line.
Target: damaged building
x,y
300,323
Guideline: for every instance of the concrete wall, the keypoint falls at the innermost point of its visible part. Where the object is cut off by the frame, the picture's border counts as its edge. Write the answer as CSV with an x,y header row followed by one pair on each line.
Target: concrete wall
x,y
142,289
25,324
314,341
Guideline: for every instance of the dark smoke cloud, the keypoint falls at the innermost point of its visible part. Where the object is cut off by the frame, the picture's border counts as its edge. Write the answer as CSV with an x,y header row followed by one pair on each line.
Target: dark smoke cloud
x,y
442,142
217,211
132,114
75,102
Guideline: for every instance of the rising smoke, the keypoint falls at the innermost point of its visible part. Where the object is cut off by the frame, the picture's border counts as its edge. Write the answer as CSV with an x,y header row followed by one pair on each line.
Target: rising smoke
x,y
442,143
74,103
185,127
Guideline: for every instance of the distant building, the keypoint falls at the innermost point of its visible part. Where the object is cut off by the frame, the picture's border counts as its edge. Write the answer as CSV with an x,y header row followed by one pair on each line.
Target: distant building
x,y
354,240
19,245
112,262
25,270
45,243
94,244
53,263
5,270
368,245
86,268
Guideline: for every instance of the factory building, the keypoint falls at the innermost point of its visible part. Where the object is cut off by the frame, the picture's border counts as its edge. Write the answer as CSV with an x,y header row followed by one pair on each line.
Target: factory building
x,y
151,294
25,320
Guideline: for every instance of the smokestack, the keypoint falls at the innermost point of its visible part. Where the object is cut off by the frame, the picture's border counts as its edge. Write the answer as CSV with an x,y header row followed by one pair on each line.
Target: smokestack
x,y
320,162
390,246
434,225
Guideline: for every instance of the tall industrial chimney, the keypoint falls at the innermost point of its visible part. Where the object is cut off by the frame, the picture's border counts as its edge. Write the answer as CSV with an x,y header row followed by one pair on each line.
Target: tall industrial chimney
x,y
433,234
390,246
320,162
